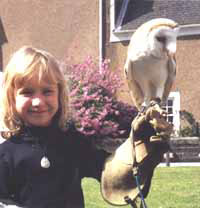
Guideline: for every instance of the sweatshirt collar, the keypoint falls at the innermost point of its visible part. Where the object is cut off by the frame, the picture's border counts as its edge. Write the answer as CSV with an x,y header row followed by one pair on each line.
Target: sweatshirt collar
x,y
35,133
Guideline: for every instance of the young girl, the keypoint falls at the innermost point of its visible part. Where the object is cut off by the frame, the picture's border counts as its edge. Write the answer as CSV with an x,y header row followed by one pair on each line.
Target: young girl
x,y
44,158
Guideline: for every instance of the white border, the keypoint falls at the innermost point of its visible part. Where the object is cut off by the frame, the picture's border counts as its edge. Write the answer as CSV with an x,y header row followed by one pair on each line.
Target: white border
x,y
176,110
117,35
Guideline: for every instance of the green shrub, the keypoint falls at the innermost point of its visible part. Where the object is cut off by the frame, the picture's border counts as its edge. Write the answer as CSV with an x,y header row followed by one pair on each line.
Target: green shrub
x,y
97,111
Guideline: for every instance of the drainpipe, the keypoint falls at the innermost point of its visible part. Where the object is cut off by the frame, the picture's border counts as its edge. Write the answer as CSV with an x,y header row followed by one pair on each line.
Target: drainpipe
x,y
101,53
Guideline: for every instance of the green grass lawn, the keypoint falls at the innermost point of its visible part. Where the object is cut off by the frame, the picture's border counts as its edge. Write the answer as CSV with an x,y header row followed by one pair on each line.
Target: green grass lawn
x,y
172,187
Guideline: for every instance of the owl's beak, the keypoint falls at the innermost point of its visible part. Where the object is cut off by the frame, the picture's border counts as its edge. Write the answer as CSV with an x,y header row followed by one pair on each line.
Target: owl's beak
x,y
171,42
171,55
171,47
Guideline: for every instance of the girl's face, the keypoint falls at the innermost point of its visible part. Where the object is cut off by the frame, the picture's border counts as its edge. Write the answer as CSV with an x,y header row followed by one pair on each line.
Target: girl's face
x,y
37,102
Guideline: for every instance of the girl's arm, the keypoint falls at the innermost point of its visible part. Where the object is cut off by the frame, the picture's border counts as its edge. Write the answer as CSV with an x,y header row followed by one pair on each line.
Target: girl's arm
x,y
92,159
6,200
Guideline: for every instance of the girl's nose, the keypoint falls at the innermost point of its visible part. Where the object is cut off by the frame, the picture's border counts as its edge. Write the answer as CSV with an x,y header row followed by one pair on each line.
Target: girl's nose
x,y
36,101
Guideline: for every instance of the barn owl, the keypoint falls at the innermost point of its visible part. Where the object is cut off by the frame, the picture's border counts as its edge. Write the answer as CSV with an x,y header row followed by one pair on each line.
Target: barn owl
x,y
150,67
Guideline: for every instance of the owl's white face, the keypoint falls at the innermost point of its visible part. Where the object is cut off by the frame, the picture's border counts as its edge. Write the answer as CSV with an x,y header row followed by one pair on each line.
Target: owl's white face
x,y
162,41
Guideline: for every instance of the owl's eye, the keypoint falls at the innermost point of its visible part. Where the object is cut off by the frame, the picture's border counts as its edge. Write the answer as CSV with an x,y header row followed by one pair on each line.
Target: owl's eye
x,y
161,39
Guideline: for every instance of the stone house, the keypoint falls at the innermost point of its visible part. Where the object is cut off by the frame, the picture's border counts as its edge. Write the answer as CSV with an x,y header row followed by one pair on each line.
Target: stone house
x,y
124,16
73,30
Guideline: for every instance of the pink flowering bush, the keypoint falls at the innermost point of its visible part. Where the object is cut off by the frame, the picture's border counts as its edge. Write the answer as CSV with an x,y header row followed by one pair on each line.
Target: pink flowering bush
x,y
97,112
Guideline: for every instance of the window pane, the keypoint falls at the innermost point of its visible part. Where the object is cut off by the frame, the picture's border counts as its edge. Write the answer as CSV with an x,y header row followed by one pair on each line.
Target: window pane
x,y
170,119
170,102
170,110
139,11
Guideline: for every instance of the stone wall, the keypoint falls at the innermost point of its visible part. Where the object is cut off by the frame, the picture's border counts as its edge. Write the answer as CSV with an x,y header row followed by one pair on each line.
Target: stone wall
x,y
185,149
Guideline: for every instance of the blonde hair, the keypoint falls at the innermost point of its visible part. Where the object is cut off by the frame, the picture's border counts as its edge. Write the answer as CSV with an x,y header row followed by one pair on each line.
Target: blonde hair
x,y
24,64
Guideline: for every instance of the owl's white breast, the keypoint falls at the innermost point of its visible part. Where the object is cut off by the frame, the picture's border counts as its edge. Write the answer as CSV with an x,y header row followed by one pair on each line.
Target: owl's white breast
x,y
150,71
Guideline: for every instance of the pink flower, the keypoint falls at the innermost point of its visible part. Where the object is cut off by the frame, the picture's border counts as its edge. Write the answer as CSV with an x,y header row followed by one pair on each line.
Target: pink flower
x,y
93,91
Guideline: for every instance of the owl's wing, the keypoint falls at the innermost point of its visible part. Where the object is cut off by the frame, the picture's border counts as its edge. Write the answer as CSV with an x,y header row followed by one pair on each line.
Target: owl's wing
x,y
134,88
171,68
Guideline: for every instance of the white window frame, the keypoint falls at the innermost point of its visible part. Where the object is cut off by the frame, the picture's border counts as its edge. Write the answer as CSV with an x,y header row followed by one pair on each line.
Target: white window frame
x,y
175,97
117,35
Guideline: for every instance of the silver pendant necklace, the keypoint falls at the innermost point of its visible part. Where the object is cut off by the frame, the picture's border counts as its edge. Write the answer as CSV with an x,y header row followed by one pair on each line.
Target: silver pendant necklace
x,y
45,163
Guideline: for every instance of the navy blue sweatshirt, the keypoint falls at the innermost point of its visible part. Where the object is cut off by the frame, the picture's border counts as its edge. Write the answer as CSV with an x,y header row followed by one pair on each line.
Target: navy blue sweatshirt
x,y
25,183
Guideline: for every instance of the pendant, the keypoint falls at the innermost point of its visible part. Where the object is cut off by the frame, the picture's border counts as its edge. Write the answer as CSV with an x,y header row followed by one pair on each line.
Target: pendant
x,y
45,163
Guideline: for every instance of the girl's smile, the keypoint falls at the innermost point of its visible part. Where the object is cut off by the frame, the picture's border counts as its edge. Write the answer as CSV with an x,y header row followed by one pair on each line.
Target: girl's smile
x,y
36,102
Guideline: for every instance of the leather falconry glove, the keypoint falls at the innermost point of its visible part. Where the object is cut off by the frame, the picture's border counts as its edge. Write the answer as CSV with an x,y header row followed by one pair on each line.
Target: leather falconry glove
x,y
151,132
142,151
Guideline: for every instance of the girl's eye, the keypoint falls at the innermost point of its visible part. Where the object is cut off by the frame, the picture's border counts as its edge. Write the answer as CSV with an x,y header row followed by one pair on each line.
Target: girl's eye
x,y
27,92
48,91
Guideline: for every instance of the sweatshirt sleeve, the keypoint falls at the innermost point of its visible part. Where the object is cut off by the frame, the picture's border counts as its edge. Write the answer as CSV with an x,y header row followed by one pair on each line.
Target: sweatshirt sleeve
x,y
6,196
91,159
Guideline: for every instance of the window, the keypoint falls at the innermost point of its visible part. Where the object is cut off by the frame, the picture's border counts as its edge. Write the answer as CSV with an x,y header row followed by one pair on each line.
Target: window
x,y
127,15
3,40
173,110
